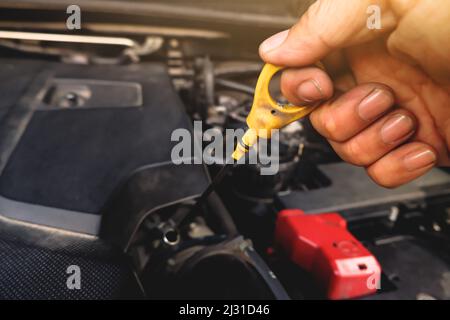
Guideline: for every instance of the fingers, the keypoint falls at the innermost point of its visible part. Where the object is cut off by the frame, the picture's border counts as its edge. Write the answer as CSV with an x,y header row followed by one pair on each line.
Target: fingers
x,y
326,26
306,85
403,165
377,140
340,119
365,130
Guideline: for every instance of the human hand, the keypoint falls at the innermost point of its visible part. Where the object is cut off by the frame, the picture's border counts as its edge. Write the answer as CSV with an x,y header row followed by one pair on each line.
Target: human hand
x,y
385,96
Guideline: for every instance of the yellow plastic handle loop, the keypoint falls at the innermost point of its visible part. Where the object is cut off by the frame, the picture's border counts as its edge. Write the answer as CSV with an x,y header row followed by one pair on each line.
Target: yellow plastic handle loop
x,y
266,114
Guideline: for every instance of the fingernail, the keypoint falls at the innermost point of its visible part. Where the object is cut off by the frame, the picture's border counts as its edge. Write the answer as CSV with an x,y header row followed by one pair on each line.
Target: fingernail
x,y
419,159
310,91
274,41
377,102
397,128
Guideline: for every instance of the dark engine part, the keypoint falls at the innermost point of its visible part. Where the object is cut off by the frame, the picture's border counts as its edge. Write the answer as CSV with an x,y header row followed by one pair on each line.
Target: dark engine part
x,y
230,269
179,255
74,134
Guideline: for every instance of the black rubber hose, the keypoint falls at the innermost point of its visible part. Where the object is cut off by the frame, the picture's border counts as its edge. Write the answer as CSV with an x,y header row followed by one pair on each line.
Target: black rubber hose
x,y
233,85
238,69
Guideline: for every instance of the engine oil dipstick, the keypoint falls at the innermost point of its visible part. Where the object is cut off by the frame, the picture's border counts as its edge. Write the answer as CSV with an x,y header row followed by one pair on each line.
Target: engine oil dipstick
x,y
266,114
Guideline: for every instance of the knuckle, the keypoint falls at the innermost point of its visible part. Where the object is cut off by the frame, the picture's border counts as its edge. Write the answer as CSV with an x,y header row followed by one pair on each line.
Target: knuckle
x,y
334,129
329,125
324,123
355,153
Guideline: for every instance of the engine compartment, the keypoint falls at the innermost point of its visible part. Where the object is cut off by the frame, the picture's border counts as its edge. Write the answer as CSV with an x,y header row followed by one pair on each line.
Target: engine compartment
x,y
86,179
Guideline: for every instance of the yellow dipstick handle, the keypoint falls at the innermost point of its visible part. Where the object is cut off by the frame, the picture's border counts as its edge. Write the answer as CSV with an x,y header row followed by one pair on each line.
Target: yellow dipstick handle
x,y
266,114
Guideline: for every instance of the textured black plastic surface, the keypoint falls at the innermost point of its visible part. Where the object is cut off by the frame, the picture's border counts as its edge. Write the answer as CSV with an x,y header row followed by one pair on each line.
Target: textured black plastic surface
x,y
15,79
74,158
34,265
415,270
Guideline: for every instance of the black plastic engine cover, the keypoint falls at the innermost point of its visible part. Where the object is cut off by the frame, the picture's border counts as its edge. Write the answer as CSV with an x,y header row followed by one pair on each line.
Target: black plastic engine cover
x,y
72,154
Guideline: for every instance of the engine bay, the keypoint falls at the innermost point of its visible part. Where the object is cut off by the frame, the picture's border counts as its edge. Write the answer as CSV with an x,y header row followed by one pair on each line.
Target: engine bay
x,y
87,177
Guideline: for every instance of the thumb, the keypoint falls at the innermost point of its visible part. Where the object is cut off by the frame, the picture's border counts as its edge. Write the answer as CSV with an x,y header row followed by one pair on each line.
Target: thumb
x,y
326,26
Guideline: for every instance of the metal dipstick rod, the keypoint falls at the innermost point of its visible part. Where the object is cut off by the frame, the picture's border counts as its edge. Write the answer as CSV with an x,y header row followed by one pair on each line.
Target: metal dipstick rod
x,y
214,183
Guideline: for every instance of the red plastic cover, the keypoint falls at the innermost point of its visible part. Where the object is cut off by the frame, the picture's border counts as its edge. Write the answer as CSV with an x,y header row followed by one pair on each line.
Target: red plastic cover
x,y
322,245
